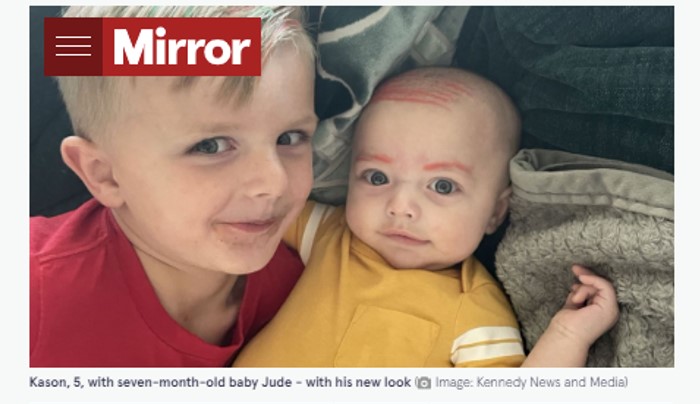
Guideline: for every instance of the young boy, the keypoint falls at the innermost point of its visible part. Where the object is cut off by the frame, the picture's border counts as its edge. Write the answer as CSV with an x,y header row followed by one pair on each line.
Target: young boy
x,y
391,280
177,260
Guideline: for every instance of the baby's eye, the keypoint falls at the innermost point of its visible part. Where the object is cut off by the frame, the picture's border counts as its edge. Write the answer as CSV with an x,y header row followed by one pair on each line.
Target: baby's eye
x,y
442,186
212,146
375,177
292,138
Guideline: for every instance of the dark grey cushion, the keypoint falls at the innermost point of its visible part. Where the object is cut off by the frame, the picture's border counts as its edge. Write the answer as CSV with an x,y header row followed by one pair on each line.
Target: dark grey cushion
x,y
53,187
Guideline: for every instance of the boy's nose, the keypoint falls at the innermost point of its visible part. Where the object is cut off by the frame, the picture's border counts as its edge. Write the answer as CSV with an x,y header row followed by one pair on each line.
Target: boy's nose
x,y
267,176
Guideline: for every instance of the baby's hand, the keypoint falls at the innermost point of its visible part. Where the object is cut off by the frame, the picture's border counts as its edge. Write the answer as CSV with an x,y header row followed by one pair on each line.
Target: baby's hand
x,y
590,309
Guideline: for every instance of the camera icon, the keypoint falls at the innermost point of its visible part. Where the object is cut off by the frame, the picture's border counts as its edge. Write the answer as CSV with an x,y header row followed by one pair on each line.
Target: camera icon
x,y
423,382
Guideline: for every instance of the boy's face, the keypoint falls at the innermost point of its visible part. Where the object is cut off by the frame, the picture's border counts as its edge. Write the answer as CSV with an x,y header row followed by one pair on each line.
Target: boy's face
x,y
208,184
424,182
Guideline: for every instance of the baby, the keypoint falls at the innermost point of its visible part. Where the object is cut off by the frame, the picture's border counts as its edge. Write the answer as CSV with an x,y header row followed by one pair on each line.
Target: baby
x,y
391,280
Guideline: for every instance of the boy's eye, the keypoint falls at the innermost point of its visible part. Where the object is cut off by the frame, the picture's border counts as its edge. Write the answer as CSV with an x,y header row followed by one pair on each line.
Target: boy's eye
x,y
212,146
442,186
291,138
375,177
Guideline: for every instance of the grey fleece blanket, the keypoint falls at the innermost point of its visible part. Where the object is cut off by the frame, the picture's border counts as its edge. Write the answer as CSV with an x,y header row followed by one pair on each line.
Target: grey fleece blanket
x,y
614,217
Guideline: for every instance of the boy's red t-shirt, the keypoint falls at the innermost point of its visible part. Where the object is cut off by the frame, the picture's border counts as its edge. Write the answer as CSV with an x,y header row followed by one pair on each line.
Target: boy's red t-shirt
x,y
91,304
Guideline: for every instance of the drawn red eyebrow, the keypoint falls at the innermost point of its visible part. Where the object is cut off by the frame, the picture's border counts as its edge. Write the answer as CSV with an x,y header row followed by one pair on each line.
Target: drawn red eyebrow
x,y
374,157
442,165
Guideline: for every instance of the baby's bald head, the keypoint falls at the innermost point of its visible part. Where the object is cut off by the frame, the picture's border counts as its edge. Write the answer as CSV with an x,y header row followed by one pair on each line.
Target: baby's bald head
x,y
464,94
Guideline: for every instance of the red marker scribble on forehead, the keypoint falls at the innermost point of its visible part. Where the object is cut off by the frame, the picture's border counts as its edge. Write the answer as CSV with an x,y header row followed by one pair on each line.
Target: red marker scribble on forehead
x,y
423,88
374,157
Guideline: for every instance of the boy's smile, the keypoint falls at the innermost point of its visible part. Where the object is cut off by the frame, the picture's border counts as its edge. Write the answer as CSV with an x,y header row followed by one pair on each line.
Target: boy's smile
x,y
240,231
253,227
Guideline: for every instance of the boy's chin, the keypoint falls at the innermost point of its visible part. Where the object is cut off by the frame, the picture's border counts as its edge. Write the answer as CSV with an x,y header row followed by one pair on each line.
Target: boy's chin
x,y
243,270
248,263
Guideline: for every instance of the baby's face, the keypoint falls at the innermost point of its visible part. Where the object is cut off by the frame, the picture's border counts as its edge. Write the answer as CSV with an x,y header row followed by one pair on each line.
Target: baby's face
x,y
424,181
212,185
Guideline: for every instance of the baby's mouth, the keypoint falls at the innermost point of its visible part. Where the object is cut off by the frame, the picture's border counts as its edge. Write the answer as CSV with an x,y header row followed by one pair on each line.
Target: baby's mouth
x,y
404,237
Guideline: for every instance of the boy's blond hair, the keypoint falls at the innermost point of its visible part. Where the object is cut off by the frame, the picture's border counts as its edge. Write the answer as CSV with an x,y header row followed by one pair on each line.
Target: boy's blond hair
x,y
90,100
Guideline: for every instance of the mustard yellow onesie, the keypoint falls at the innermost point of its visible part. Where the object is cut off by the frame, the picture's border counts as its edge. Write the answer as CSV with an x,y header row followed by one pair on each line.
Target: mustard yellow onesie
x,y
350,309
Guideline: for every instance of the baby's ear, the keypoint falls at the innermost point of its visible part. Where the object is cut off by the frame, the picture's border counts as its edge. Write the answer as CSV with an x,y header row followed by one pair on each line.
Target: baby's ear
x,y
94,168
500,210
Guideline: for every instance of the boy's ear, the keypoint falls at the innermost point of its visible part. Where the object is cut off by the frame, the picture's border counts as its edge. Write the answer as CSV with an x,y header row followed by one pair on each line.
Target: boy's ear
x,y
499,212
94,168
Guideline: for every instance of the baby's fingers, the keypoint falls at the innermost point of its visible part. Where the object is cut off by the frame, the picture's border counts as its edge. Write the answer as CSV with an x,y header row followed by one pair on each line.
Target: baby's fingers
x,y
589,278
579,270
580,294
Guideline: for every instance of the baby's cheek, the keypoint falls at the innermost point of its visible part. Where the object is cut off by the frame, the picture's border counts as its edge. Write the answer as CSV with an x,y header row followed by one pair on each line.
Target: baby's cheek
x,y
351,217
463,238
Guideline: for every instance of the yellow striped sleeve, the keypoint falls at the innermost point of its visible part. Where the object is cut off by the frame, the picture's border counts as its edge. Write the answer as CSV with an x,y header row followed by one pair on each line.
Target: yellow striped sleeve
x,y
486,331
303,231
484,345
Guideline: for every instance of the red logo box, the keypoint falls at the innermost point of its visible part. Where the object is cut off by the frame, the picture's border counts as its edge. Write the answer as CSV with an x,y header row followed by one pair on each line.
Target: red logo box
x,y
152,47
